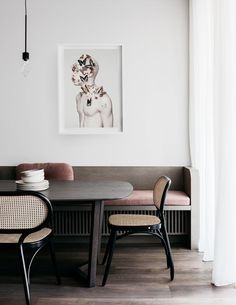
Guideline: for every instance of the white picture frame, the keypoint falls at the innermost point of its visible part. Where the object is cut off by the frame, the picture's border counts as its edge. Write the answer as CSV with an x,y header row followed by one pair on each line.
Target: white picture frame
x,y
108,59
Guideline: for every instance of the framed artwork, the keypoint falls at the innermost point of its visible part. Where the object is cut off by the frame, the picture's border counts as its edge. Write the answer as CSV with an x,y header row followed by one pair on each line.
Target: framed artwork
x,y
90,89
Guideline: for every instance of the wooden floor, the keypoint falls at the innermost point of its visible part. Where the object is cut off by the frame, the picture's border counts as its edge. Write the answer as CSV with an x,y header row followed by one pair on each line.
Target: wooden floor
x,y
138,277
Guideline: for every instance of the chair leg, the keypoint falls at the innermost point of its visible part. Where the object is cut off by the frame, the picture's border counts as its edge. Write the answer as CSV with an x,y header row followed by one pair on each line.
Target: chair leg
x,y
25,276
53,257
109,250
170,259
166,252
100,261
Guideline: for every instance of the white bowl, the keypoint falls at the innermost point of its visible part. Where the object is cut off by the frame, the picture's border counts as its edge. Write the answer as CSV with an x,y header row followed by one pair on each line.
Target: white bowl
x,y
32,172
35,178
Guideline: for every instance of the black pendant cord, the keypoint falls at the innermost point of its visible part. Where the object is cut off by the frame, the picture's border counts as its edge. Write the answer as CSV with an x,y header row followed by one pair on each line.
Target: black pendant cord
x,y
25,26
25,55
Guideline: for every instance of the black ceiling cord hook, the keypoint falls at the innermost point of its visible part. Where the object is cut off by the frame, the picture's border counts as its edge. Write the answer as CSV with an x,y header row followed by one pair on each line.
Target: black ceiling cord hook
x,y
25,54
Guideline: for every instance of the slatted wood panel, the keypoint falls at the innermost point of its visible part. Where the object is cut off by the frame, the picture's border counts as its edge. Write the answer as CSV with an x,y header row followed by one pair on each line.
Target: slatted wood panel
x,y
77,223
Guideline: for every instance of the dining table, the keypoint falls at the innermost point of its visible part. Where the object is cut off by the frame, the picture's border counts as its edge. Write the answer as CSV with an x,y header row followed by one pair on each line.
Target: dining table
x,y
82,193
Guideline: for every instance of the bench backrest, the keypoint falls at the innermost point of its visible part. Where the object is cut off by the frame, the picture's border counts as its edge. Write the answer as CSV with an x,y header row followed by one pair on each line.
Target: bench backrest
x,y
141,177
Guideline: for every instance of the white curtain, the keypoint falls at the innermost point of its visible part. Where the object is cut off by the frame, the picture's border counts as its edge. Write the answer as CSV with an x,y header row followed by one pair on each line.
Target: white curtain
x,y
212,125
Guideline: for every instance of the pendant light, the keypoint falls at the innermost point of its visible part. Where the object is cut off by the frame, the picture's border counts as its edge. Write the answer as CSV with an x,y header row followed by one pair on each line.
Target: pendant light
x,y
25,54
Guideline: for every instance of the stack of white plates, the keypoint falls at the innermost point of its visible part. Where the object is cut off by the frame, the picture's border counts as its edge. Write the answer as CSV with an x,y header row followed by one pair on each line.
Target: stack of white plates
x,y
32,180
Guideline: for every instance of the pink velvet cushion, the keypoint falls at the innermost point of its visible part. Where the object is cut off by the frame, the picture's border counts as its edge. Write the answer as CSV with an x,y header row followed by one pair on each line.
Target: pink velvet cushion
x,y
145,197
53,171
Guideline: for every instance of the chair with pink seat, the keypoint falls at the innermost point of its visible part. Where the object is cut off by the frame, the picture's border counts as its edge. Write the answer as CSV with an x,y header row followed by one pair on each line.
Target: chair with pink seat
x,y
53,171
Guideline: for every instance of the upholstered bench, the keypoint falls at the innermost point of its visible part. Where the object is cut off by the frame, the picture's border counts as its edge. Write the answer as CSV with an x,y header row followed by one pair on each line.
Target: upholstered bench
x,y
182,208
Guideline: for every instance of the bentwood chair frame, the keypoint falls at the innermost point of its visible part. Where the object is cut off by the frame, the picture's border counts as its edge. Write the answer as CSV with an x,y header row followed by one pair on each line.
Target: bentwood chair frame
x,y
132,224
26,222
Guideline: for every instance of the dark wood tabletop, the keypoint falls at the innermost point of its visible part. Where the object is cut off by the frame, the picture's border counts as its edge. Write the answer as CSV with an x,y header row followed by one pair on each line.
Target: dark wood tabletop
x,y
79,190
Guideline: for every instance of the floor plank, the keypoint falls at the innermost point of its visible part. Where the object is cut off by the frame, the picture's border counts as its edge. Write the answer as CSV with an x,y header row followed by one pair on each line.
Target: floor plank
x,y
138,276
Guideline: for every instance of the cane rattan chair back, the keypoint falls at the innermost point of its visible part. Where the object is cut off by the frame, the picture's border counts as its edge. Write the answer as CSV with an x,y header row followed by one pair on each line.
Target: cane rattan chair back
x,y
159,192
23,213
145,224
26,221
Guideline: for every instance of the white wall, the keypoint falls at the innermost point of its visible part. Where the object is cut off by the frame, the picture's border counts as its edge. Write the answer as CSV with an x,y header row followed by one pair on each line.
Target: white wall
x,y
154,34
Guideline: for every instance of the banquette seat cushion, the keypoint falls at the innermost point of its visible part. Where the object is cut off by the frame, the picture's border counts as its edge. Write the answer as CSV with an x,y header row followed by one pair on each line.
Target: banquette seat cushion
x,y
145,197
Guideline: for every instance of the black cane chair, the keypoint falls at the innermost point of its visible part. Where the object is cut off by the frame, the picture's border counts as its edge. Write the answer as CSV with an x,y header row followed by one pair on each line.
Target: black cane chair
x,y
26,222
148,224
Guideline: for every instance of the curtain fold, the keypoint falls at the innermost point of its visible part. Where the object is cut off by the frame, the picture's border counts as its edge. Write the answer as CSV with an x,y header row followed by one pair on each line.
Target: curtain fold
x,y
213,129
200,115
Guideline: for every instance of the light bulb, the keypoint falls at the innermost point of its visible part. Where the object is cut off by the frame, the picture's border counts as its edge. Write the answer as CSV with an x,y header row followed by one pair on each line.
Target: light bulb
x,y
26,68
